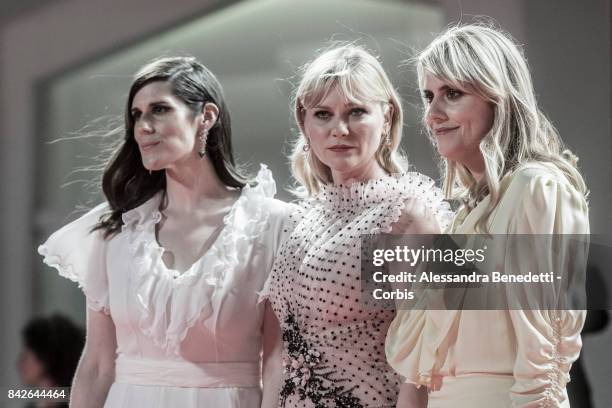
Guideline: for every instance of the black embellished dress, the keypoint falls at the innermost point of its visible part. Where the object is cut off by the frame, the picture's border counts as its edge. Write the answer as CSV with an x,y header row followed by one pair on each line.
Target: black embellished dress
x,y
334,347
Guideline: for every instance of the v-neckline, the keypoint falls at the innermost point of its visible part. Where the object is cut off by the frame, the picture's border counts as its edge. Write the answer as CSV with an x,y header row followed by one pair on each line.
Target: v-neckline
x,y
504,184
178,275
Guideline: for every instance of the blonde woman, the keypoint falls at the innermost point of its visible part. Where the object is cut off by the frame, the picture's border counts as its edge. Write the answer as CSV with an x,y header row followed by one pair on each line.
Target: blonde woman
x,y
504,161
346,160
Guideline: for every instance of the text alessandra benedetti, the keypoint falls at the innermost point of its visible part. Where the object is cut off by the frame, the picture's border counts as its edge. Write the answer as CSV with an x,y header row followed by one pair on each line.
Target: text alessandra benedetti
x,y
474,277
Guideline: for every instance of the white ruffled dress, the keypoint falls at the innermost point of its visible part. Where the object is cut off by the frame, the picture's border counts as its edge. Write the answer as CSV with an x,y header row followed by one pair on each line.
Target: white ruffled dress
x,y
334,345
183,340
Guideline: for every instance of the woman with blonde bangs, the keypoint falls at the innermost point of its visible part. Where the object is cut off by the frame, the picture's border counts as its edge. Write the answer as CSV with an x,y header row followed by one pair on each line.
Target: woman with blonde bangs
x,y
505,162
353,181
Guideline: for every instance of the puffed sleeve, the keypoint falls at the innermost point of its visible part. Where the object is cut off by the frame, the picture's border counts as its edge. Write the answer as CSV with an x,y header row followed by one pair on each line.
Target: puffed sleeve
x,y
284,220
548,341
80,255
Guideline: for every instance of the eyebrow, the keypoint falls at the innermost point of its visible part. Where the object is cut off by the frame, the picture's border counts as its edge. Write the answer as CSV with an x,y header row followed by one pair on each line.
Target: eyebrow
x,y
442,88
348,105
151,104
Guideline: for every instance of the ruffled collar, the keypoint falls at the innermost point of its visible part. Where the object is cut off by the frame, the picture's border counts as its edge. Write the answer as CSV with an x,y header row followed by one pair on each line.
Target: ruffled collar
x,y
190,294
146,213
374,191
391,191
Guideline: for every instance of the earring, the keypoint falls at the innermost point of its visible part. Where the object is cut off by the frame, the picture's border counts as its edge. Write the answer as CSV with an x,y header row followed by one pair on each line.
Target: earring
x,y
387,138
306,147
202,138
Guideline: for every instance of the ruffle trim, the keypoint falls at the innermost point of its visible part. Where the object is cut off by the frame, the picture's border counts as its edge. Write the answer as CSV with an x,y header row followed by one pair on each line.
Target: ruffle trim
x,y
393,190
77,254
66,270
188,297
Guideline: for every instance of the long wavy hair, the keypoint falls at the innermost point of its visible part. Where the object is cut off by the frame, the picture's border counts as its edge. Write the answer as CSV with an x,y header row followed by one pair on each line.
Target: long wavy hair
x,y
486,61
359,77
125,182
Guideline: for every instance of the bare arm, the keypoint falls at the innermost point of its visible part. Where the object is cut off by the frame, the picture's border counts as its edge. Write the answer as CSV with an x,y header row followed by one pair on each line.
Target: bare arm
x,y
412,397
96,370
272,359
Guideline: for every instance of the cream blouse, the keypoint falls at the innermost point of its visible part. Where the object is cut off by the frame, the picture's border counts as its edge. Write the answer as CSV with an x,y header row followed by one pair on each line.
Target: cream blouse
x,y
499,358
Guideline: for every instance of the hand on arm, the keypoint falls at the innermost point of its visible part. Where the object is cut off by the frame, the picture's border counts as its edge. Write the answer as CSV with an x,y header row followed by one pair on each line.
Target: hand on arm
x,y
416,219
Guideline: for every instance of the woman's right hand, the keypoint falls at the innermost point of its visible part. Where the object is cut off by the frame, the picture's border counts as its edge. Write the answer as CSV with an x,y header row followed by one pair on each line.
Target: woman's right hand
x,y
416,218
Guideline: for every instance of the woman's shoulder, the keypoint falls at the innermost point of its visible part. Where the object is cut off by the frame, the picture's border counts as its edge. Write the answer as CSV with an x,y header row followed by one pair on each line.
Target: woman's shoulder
x,y
537,195
78,252
280,208
80,233
262,194
539,181
534,173
84,224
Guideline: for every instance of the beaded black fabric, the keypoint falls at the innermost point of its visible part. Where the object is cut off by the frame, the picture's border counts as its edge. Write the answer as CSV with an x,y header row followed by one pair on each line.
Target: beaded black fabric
x,y
305,375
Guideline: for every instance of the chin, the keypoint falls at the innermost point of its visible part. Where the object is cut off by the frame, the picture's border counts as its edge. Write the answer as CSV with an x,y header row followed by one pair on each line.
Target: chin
x,y
152,165
447,153
342,167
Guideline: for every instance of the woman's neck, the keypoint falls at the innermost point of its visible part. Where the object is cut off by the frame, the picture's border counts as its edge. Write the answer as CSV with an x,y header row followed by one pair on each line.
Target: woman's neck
x,y
363,174
192,185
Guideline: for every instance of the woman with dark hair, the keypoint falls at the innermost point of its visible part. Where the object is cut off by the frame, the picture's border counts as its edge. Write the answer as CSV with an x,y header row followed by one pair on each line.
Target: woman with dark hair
x,y
51,350
172,263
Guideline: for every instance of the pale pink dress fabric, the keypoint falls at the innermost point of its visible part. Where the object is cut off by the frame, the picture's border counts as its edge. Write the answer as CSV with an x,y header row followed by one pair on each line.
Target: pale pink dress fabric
x,y
183,340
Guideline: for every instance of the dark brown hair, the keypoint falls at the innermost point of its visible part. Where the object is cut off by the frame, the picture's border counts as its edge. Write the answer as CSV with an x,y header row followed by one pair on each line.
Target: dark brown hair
x,y
58,343
126,183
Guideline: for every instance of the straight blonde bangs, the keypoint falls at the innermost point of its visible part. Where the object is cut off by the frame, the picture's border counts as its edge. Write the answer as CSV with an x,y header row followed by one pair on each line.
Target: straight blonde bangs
x,y
353,84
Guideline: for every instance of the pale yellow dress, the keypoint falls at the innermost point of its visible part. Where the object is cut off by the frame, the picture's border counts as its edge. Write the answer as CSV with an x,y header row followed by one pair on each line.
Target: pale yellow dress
x,y
499,358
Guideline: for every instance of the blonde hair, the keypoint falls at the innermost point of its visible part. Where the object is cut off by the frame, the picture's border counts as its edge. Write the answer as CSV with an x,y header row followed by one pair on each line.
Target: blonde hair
x,y
485,61
359,77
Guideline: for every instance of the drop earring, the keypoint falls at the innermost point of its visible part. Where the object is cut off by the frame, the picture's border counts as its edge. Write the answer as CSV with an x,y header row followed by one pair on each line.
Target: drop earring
x,y
202,138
